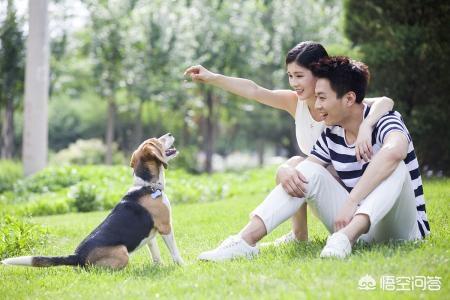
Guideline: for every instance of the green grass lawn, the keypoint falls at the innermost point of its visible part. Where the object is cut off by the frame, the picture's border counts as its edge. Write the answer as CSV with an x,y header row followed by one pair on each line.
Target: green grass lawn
x,y
288,272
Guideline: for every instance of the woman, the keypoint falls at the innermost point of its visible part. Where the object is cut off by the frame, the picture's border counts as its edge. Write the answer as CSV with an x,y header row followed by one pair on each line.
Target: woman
x,y
299,103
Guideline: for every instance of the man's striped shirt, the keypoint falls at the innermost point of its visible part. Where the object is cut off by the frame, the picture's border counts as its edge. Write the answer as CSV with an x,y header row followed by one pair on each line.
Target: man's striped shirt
x,y
332,148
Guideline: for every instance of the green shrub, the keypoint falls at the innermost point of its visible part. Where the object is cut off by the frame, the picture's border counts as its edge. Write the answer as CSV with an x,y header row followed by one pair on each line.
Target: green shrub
x,y
86,197
44,207
7,197
186,159
59,190
18,237
50,179
10,172
86,152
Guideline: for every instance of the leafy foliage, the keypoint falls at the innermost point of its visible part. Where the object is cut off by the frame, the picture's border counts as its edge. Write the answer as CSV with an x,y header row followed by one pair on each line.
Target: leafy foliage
x,y
51,179
86,152
12,46
18,236
10,172
406,45
86,197
59,190
137,52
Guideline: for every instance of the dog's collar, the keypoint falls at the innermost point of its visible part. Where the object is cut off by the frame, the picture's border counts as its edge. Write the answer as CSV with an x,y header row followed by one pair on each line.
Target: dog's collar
x,y
139,182
156,188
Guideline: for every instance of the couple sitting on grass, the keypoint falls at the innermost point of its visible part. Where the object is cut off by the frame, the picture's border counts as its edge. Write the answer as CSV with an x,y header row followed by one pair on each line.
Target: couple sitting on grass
x,y
361,177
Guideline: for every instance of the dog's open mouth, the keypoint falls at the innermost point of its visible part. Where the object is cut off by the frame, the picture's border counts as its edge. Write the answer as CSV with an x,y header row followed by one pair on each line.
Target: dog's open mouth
x,y
171,151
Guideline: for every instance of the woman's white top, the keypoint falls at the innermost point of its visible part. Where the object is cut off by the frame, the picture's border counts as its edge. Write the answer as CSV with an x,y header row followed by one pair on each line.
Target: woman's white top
x,y
307,130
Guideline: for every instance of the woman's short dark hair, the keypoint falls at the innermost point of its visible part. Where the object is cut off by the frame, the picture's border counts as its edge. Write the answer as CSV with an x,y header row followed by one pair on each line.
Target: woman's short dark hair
x,y
306,53
345,75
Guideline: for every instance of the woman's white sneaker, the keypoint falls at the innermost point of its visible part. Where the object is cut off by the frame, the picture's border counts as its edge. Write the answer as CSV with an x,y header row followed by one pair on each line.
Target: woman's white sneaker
x,y
338,245
233,247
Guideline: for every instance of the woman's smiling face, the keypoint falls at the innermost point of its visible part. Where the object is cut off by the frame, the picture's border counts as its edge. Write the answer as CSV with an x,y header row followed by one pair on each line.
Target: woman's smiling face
x,y
301,80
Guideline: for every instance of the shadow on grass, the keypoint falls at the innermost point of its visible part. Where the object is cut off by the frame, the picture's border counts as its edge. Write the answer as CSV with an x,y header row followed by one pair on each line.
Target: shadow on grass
x,y
152,271
309,250
147,270
387,249
312,249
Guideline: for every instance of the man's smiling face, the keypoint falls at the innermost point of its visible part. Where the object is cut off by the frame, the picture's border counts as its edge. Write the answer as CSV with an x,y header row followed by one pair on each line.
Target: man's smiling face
x,y
332,109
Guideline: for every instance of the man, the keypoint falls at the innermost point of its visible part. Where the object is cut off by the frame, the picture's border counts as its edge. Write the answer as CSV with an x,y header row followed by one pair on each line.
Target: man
x,y
379,200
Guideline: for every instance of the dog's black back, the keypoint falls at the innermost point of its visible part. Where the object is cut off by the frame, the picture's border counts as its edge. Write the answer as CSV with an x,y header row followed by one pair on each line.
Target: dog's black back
x,y
127,224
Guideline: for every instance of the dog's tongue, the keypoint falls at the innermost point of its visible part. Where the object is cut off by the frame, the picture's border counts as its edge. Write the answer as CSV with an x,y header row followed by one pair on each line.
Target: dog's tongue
x,y
170,151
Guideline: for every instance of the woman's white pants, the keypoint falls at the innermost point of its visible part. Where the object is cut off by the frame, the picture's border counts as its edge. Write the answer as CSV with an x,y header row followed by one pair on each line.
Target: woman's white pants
x,y
390,207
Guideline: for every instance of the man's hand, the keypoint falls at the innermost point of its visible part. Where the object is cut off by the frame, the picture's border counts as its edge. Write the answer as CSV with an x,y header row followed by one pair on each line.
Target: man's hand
x,y
292,181
345,215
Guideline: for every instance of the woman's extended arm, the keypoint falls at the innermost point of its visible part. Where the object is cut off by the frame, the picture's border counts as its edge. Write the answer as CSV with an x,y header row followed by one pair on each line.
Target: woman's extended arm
x,y
378,108
281,99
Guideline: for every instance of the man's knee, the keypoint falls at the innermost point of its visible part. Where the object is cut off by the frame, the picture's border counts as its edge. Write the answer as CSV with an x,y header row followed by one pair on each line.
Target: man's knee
x,y
293,161
312,171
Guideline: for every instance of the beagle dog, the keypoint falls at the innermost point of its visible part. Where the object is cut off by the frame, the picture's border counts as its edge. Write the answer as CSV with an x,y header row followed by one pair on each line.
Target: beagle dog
x,y
134,221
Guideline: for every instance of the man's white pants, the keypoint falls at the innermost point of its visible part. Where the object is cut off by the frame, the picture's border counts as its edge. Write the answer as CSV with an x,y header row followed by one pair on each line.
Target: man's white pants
x,y
391,206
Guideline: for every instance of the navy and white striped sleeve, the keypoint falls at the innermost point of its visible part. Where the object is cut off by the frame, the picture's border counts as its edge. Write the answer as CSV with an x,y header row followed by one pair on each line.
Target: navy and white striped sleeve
x,y
320,149
390,123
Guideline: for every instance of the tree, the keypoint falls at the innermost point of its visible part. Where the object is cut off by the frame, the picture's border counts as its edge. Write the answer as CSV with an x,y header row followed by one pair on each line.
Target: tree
x,y
147,62
35,132
406,46
109,20
11,76
139,52
250,39
223,46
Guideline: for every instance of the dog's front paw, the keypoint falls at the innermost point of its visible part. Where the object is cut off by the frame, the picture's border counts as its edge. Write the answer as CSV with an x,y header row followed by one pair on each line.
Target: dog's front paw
x,y
158,263
179,261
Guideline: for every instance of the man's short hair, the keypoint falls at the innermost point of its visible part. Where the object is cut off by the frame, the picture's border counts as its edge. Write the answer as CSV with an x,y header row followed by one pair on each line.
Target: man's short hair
x,y
345,75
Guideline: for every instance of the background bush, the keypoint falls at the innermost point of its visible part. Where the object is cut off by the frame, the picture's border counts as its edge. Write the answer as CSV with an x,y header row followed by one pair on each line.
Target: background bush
x,y
10,172
59,190
86,197
50,179
86,152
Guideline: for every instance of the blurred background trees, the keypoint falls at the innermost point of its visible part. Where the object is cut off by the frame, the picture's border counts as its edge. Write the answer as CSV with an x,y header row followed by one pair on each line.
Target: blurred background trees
x,y
407,47
116,70
11,76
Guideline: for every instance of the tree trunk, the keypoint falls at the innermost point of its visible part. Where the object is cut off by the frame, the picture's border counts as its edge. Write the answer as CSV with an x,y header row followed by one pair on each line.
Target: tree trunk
x,y
209,142
8,131
138,129
261,153
110,129
185,135
35,132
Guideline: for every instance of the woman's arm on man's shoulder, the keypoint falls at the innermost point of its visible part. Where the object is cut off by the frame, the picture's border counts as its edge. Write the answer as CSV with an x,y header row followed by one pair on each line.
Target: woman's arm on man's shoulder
x,y
378,107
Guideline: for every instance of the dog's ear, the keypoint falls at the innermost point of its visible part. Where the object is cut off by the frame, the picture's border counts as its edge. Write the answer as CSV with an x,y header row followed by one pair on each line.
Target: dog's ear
x,y
133,160
153,148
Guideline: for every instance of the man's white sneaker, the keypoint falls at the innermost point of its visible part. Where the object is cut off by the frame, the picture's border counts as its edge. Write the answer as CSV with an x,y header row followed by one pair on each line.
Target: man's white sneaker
x,y
337,245
233,247
282,240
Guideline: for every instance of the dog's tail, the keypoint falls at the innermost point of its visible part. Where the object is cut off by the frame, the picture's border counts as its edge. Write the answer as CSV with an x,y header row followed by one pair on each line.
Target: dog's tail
x,y
43,261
